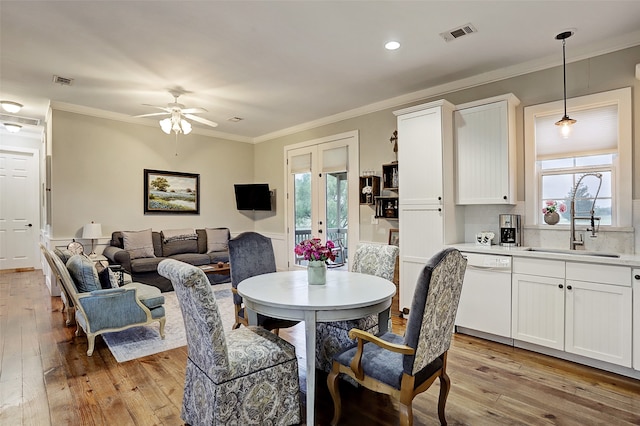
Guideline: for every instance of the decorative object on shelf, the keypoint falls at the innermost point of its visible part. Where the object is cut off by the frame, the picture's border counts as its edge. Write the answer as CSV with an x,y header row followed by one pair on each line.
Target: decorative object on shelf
x,y
551,216
171,192
394,141
565,122
390,176
484,238
394,237
369,187
318,256
92,231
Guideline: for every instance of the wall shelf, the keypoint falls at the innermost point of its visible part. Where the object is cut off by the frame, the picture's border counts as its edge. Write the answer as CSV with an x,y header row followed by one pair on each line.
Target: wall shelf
x,y
373,182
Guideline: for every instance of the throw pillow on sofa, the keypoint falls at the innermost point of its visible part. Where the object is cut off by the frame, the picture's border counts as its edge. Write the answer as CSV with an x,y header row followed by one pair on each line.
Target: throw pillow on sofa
x,y
217,239
84,274
139,244
106,276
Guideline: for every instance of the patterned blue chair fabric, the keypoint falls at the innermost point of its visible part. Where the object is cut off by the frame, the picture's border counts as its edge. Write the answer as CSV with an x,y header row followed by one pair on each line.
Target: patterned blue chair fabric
x,y
251,254
248,376
333,337
98,310
406,366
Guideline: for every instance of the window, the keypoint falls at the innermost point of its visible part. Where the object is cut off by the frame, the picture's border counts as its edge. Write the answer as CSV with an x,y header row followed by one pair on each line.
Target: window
x,y
597,154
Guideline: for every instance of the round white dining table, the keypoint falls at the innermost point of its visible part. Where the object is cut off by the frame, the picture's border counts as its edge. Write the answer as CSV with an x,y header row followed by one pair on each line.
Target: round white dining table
x,y
287,295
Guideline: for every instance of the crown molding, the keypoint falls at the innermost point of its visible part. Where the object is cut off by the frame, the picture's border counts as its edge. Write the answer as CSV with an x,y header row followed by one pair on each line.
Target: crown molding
x,y
602,48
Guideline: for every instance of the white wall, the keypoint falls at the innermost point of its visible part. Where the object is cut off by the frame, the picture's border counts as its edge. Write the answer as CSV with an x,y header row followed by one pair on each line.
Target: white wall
x,y
97,175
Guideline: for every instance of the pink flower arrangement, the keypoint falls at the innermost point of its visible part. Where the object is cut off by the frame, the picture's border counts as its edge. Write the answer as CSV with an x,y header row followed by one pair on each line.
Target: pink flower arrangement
x,y
552,206
314,250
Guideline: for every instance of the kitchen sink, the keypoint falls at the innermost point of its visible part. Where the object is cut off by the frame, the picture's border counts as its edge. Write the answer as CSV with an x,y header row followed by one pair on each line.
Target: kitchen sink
x,y
573,252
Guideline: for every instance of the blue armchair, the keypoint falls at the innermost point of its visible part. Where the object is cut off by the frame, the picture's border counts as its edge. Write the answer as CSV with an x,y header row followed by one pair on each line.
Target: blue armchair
x,y
100,310
403,367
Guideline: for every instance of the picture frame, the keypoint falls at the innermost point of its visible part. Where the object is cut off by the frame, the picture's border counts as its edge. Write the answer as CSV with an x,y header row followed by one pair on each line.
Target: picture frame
x,y
394,237
168,192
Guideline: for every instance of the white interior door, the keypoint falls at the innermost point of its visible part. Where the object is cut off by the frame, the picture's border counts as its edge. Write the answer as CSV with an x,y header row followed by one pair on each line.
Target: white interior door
x,y
322,196
19,217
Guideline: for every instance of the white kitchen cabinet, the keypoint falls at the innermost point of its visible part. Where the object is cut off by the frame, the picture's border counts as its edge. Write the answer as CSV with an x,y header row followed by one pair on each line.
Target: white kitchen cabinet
x,y
485,151
598,321
428,217
579,308
537,309
636,319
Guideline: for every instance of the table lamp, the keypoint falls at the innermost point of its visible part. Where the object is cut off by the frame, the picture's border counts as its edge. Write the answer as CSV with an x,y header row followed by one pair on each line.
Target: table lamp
x,y
92,231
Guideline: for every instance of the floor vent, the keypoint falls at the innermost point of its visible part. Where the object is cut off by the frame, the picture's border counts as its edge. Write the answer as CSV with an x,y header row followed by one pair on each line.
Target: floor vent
x,y
6,118
62,80
458,32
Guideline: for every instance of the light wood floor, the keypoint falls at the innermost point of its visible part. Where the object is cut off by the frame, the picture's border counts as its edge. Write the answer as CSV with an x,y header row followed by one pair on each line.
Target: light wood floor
x,y
47,379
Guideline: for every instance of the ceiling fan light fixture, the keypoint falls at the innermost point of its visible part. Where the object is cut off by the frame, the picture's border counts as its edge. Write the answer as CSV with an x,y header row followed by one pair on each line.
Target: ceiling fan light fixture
x,y
565,122
12,127
186,126
165,125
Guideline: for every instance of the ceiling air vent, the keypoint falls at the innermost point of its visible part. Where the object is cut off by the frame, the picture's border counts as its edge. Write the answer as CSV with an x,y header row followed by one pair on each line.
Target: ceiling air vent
x,y
19,120
63,81
458,32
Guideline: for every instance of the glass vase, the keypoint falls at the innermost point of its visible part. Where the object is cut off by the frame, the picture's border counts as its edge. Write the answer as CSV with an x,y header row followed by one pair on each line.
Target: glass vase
x,y
316,272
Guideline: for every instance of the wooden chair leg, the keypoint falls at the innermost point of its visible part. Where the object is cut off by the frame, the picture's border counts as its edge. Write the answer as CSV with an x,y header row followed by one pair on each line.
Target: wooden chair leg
x,y
406,399
92,343
334,390
162,324
445,385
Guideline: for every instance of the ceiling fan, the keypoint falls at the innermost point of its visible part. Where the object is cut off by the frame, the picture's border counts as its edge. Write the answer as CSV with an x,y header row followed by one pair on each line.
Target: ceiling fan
x,y
178,114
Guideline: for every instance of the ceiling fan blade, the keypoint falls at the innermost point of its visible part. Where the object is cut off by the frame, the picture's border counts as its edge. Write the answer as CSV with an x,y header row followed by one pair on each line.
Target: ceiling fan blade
x,y
167,109
201,120
194,111
152,114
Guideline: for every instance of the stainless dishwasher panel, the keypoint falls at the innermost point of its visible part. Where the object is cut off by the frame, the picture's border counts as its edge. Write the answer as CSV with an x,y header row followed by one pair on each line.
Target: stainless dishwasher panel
x,y
485,302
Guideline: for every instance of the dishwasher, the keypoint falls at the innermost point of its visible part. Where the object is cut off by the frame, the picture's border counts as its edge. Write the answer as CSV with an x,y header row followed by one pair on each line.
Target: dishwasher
x,y
485,302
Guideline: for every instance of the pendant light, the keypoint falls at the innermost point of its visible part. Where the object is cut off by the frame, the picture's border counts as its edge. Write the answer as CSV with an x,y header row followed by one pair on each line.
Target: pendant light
x,y
565,122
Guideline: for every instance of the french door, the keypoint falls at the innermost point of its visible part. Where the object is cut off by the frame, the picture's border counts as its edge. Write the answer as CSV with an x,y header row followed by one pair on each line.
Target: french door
x,y
322,195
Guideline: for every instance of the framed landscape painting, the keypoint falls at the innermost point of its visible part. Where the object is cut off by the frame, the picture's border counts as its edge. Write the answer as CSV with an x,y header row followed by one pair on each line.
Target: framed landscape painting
x,y
171,192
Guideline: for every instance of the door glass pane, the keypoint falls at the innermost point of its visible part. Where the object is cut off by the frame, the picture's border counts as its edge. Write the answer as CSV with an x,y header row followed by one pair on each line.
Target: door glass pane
x,y
337,213
302,210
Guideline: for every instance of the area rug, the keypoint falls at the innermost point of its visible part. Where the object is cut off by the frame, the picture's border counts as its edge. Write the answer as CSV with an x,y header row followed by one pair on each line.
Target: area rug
x,y
141,341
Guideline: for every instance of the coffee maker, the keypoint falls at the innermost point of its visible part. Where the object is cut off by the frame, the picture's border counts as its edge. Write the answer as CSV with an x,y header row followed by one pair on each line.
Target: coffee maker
x,y
510,230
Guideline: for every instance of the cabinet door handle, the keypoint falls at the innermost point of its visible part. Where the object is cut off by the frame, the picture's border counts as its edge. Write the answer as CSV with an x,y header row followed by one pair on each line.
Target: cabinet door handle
x,y
637,277
439,198
504,197
439,209
560,286
569,287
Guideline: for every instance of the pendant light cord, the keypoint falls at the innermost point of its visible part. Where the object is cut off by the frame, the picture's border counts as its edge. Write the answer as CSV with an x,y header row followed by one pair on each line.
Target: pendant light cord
x,y
564,76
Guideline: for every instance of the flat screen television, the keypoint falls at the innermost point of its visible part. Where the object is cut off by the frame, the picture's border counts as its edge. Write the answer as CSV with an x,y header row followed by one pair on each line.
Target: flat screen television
x,y
252,196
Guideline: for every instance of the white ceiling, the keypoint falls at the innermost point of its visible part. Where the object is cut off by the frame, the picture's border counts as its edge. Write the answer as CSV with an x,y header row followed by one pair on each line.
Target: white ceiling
x,y
283,65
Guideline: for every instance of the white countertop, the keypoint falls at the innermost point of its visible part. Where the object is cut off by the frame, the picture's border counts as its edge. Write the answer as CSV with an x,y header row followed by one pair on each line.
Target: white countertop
x,y
632,260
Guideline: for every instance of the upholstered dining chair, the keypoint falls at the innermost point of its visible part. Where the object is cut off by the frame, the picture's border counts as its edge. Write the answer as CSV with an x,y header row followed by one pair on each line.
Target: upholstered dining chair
x,y
403,367
247,376
251,254
333,337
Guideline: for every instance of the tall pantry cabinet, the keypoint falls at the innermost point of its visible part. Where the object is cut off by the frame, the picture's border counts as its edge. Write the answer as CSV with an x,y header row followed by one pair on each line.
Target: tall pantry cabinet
x,y
428,215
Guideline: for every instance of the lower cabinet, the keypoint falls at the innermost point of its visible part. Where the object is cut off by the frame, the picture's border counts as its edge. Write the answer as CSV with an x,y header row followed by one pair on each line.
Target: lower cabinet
x,y
636,318
586,311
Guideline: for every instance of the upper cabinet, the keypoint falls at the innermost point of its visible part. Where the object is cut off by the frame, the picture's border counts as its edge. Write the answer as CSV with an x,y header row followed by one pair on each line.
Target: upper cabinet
x,y
485,152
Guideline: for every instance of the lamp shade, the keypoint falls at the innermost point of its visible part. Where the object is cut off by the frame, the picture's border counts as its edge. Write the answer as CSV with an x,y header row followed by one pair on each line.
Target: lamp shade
x,y
92,231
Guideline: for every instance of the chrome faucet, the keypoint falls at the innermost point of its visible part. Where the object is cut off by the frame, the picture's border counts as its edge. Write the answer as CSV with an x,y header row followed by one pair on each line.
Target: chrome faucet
x,y
574,241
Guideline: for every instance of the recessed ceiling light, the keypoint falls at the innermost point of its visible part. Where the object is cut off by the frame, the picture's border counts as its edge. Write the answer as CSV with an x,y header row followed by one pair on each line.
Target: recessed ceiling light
x,y
392,45
11,106
12,127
